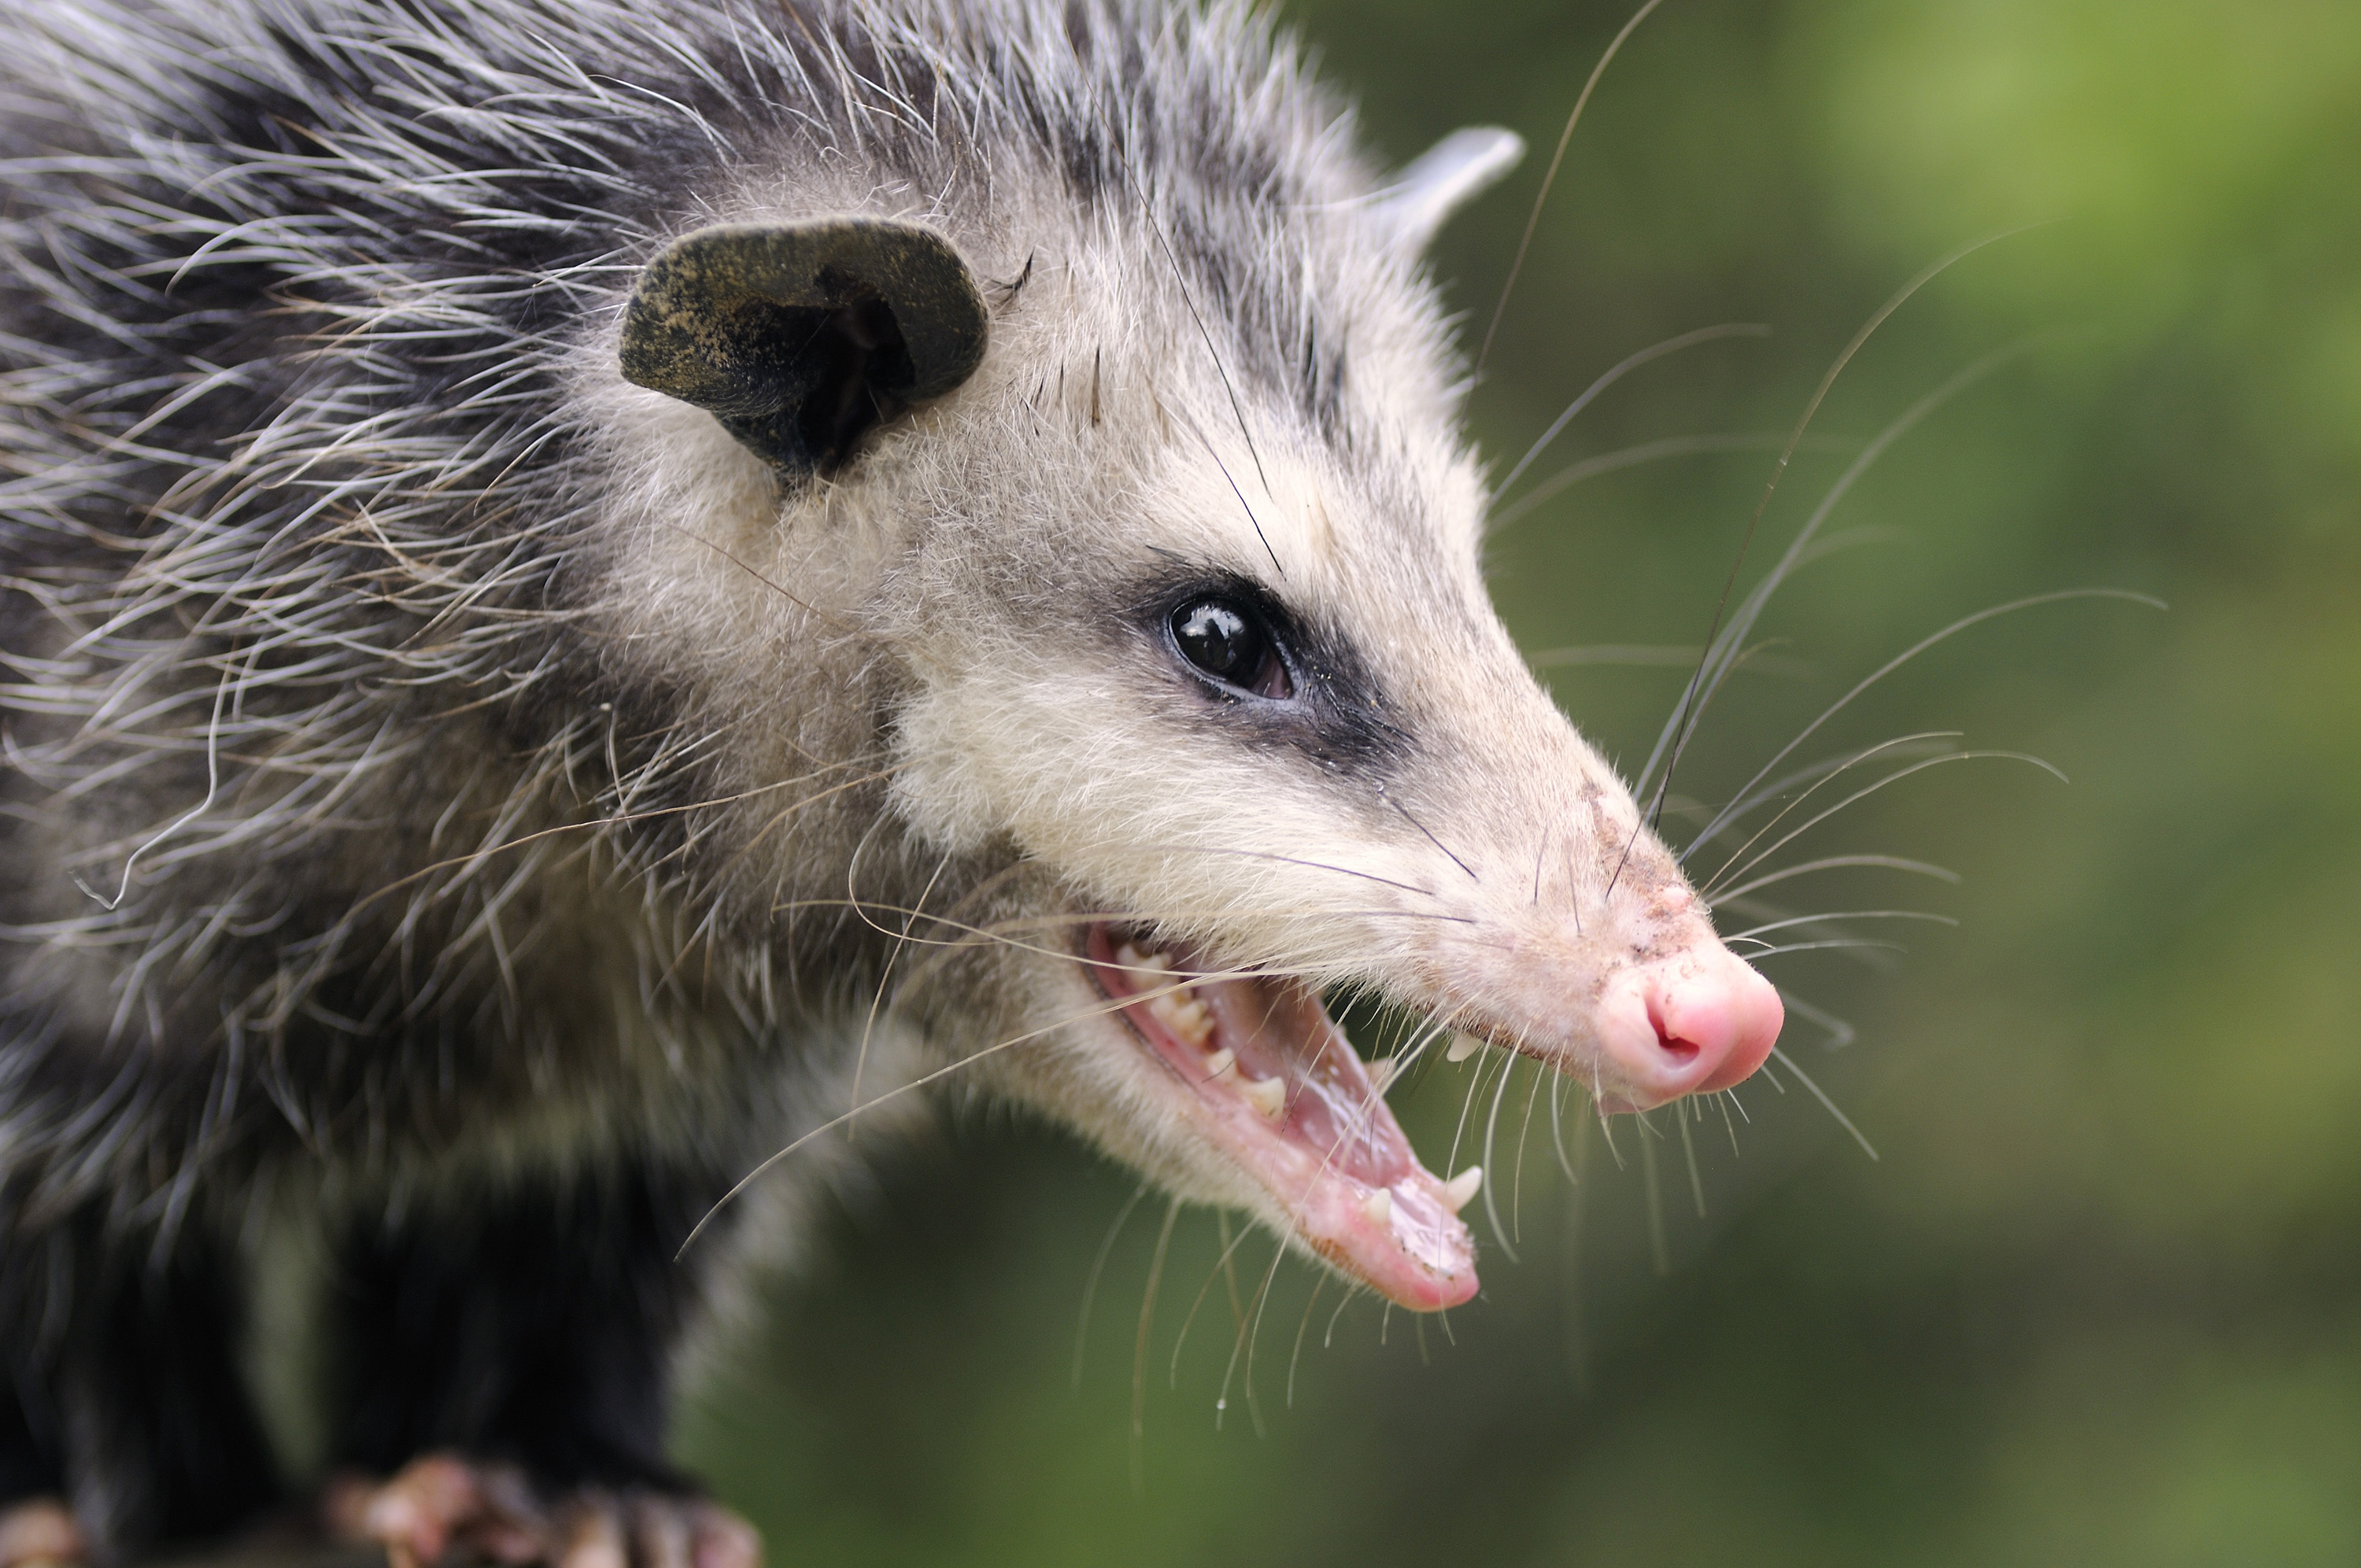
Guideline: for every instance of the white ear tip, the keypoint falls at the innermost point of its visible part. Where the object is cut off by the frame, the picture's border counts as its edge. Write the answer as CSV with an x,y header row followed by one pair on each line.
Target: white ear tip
x,y
1447,177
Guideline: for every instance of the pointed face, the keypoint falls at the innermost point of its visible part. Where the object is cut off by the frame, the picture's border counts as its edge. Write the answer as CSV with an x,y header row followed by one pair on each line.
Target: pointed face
x,y
1192,639
1273,743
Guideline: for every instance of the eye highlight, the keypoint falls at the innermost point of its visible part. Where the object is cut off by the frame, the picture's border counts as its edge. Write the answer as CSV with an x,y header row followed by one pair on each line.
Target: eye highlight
x,y
1229,643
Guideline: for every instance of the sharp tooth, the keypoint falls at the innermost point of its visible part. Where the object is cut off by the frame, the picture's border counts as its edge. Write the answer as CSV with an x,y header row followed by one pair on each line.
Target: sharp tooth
x,y
1220,1062
1380,1207
1381,1072
1127,956
1462,1047
1461,1187
1268,1095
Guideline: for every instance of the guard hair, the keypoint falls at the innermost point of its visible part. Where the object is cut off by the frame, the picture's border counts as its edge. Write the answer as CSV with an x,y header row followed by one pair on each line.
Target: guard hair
x,y
469,812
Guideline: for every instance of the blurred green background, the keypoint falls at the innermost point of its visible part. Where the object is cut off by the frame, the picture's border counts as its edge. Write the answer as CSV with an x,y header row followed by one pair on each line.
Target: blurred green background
x,y
2099,1300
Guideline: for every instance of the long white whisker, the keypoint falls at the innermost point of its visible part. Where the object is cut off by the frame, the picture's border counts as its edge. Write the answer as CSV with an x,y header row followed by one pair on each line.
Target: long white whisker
x,y
1629,363
2057,597
1882,748
1140,1348
1715,668
1893,777
1838,862
1098,1265
1842,1120
1847,915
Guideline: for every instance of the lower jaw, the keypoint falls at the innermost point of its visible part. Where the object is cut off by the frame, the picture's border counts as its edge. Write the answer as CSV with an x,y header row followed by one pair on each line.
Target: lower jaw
x,y
1274,1086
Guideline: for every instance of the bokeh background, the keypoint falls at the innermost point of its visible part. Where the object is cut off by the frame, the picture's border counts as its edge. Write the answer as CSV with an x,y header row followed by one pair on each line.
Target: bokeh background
x,y
2098,1299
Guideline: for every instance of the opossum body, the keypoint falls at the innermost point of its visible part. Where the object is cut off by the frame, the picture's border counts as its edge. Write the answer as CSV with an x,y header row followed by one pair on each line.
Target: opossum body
x,y
587,588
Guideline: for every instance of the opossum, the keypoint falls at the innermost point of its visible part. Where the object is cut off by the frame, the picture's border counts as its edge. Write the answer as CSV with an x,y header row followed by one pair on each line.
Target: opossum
x,y
588,588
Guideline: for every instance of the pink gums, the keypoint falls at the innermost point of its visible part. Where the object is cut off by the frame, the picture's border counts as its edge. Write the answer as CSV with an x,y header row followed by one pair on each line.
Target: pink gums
x,y
1333,1156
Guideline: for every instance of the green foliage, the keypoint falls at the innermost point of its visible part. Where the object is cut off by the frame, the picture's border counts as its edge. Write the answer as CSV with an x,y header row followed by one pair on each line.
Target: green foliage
x,y
2097,1301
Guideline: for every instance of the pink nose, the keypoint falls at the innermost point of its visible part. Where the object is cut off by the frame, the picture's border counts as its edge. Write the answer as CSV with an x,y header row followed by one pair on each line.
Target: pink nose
x,y
1687,1024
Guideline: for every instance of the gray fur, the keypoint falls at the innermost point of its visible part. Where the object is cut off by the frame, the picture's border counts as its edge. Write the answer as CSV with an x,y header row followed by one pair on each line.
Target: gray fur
x,y
433,761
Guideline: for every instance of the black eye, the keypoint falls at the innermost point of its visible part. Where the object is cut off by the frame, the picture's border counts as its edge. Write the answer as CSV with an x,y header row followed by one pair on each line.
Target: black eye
x,y
1228,641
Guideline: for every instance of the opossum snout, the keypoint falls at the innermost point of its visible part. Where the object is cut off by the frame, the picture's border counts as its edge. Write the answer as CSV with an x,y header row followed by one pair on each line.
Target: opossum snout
x,y
1692,1024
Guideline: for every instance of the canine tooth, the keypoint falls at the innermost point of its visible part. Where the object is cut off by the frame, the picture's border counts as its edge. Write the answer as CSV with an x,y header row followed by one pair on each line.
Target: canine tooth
x,y
1220,1062
1381,1072
1462,1047
1378,1206
1268,1095
1462,1188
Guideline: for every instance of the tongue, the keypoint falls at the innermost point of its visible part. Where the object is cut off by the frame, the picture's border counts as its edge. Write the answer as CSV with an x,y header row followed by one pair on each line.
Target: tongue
x,y
1337,1157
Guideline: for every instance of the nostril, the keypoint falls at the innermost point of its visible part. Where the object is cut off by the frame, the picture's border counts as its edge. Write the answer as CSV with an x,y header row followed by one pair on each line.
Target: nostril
x,y
1682,1050
1700,1022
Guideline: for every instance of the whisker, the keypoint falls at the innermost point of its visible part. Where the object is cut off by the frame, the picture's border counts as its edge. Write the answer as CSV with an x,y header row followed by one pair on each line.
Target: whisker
x,y
1491,1169
884,975
1630,363
1139,1349
1284,860
1557,1122
1319,1283
1328,1337
1840,1034
1815,947
1962,624
1221,1218
1847,914
1843,1121
1893,777
1632,456
1925,743
1248,1334
1098,1265
1685,716
485,851
1237,411
1688,1152
1819,775
1713,669
1524,1128
1430,838
1660,1250
834,1122
1836,862
1532,220
1842,765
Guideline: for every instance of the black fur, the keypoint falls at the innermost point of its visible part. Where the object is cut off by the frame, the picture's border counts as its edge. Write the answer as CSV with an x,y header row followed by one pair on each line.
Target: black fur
x,y
121,1350
532,1328
310,1012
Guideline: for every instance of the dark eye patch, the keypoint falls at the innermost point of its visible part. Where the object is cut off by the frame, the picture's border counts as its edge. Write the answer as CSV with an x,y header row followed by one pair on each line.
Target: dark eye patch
x,y
1268,676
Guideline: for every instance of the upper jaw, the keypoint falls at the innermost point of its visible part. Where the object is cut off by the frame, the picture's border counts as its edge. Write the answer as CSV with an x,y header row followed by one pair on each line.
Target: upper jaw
x,y
1264,1076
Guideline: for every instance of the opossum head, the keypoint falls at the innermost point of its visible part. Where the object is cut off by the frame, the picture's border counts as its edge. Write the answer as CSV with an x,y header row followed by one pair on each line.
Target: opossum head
x,y
1176,586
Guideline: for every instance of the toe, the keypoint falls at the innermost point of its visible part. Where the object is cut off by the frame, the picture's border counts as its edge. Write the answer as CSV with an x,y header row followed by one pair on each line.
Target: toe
x,y
39,1531
660,1532
416,1514
593,1535
720,1538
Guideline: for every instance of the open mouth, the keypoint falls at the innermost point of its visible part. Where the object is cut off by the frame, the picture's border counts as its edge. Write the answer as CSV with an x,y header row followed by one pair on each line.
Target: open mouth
x,y
1287,1098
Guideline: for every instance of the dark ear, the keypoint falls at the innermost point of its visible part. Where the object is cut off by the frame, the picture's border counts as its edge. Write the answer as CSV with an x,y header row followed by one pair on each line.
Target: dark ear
x,y
799,337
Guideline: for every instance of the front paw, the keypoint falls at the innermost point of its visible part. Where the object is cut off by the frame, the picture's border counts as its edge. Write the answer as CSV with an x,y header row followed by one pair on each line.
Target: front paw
x,y
442,1503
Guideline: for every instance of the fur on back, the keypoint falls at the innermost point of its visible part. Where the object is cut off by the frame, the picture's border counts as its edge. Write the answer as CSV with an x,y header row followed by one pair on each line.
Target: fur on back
x,y
411,729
